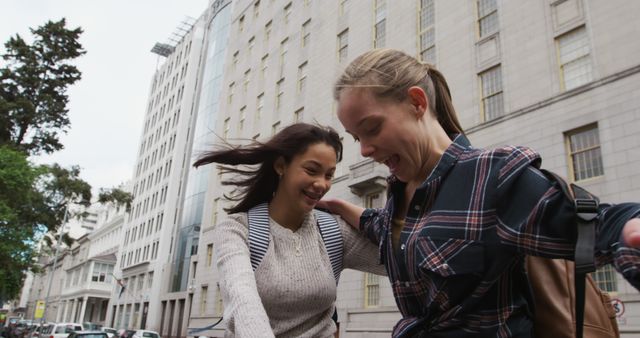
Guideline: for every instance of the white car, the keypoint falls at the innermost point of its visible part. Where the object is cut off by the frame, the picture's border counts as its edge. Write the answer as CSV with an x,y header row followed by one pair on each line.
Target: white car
x,y
61,330
111,332
146,334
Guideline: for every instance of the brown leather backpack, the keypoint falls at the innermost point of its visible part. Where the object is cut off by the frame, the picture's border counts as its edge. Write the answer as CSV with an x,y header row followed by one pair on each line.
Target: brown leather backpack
x,y
567,301
552,281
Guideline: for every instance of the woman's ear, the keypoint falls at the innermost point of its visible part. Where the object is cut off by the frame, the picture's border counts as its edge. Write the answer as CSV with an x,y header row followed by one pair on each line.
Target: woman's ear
x,y
418,99
279,166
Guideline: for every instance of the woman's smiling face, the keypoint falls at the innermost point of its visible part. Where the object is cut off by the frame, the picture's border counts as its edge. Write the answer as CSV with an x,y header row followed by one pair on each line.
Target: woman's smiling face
x,y
388,131
306,179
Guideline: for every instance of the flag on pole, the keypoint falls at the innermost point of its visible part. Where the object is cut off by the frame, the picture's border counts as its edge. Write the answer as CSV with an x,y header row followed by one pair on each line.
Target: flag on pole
x,y
122,285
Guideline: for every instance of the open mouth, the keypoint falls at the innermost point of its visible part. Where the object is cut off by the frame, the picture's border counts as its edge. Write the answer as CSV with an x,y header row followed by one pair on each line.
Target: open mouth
x,y
312,196
391,162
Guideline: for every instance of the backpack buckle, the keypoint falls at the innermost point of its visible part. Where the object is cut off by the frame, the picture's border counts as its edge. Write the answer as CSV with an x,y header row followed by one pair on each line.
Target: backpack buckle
x,y
586,209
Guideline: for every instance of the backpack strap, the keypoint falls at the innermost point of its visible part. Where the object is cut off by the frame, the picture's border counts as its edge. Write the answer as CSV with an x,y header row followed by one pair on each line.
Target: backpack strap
x,y
586,208
258,219
332,238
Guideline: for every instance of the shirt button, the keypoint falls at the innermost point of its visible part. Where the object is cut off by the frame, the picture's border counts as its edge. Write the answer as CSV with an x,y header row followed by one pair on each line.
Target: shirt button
x,y
402,247
406,284
416,207
445,266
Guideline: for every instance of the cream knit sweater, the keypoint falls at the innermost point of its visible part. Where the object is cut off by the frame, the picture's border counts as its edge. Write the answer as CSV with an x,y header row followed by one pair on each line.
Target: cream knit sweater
x,y
293,291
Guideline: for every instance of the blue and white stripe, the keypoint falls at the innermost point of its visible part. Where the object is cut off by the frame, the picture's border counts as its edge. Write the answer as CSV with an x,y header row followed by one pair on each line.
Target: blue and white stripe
x,y
258,219
332,238
259,237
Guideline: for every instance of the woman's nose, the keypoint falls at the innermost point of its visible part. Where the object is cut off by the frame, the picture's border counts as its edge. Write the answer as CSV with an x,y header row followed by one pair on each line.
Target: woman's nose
x,y
366,149
323,184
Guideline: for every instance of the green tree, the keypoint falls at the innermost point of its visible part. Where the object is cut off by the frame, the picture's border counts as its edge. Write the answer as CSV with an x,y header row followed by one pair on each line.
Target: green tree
x,y
33,85
33,200
116,196
17,198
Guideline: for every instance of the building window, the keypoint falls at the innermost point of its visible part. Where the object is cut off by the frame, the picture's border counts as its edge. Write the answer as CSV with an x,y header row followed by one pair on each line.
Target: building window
x,y
275,128
584,151
279,94
150,280
259,106
306,35
241,24
283,56
203,299
219,303
101,273
231,90
427,33
267,32
371,290
140,282
343,45
245,83
574,59
215,209
487,17
252,42
235,59
605,278
379,29
298,115
491,84
302,77
256,9
242,118
287,13
263,66
225,134
343,7
209,254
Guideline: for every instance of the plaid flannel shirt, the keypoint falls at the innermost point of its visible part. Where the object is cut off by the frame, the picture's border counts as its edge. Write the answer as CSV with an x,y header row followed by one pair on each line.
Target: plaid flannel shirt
x,y
458,268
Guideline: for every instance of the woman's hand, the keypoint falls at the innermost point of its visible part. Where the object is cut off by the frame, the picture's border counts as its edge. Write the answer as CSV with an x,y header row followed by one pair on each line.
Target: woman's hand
x,y
348,211
631,233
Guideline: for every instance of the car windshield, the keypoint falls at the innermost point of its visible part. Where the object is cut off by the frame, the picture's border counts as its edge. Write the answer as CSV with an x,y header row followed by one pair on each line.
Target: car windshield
x,y
149,335
91,335
109,330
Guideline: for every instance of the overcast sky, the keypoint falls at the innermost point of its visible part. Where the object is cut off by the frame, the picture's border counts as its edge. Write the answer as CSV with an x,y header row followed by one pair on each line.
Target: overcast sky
x,y
107,106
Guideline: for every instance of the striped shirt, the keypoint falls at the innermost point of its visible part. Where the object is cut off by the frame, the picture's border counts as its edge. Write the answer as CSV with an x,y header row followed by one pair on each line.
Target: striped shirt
x,y
458,269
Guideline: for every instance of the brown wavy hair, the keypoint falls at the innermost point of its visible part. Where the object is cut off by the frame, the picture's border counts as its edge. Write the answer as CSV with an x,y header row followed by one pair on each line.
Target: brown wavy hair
x,y
257,181
389,73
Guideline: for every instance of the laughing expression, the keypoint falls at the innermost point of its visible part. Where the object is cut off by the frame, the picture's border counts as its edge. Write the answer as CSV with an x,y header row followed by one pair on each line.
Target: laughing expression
x,y
398,134
308,176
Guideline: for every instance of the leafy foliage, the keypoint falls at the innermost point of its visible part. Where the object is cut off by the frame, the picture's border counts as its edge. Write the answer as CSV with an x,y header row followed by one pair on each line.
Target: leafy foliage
x,y
116,196
17,199
32,199
33,85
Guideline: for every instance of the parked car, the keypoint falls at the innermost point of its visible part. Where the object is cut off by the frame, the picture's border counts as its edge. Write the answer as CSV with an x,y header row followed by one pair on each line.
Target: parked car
x,y
35,333
123,333
21,328
146,334
111,332
88,334
88,326
61,330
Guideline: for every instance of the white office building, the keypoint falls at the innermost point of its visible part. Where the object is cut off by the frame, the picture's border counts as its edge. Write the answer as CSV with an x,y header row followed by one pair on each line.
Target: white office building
x,y
144,295
555,75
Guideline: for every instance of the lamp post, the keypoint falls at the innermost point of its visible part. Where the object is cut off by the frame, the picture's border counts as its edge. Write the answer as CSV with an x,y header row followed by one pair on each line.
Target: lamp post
x,y
53,267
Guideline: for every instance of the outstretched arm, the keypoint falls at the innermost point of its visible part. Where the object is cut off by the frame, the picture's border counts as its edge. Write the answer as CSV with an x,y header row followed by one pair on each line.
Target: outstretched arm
x,y
631,233
348,211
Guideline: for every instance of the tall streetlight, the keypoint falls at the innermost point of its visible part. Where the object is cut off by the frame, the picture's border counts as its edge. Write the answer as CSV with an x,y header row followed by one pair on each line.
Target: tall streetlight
x,y
53,267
